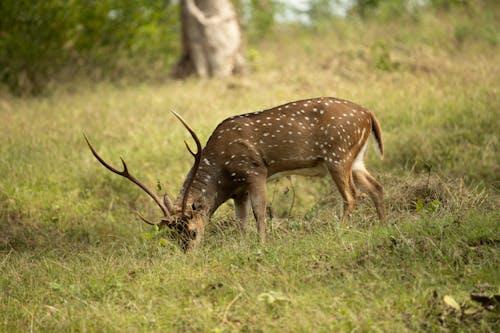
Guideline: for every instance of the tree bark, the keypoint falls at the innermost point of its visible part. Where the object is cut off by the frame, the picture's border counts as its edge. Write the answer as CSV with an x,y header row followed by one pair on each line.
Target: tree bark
x,y
211,39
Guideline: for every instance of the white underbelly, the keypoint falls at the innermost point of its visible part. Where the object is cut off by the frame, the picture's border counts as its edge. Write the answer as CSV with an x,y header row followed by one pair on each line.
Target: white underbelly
x,y
318,171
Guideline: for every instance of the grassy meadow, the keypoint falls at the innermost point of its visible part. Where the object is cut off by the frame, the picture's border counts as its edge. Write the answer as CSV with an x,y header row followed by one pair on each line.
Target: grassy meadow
x,y
73,256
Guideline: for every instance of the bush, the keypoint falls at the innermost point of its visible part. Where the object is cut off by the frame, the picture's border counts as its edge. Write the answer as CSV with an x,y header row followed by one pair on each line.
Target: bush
x,y
40,38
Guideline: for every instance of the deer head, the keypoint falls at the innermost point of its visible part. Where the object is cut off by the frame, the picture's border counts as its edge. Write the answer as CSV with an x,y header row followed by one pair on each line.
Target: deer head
x,y
184,217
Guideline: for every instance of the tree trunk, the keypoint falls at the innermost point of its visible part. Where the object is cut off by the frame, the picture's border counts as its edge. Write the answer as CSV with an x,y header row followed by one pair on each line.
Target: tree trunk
x,y
211,39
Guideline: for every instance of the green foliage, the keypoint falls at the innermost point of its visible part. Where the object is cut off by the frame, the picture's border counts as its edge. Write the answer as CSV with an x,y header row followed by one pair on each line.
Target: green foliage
x,y
381,57
40,39
258,18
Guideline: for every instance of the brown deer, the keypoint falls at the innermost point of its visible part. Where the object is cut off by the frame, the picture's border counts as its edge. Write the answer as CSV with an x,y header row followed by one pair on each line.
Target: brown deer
x,y
310,137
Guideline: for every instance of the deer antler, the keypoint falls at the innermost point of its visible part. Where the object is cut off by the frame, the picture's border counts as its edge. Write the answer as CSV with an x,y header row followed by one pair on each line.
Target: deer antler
x,y
124,173
197,159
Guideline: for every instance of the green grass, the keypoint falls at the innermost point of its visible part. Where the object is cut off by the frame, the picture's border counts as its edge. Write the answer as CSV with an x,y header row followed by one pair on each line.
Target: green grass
x,y
74,258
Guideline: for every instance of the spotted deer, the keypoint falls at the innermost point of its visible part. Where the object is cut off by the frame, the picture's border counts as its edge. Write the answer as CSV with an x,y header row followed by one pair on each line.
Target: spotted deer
x,y
312,137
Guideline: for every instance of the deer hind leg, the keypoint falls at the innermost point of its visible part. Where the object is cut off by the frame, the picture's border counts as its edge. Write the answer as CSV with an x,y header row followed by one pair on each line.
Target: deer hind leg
x,y
257,192
242,206
363,179
345,184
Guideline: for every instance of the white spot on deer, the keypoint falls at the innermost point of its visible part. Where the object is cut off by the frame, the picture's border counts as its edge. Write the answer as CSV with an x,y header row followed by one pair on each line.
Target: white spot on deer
x,y
286,106
290,132
207,162
233,174
265,134
226,163
307,118
337,101
257,121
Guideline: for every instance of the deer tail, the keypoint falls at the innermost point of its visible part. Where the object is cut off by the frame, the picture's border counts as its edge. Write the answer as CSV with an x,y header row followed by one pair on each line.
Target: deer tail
x,y
377,133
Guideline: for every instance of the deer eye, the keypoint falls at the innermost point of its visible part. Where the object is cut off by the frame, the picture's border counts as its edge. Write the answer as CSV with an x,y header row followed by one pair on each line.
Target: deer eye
x,y
193,206
193,234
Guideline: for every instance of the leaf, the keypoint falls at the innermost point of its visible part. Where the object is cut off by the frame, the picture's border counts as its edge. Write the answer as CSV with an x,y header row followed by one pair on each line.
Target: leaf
x,y
272,297
450,301
419,205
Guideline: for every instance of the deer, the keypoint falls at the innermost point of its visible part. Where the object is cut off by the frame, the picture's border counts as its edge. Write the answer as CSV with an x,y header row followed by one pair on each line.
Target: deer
x,y
311,137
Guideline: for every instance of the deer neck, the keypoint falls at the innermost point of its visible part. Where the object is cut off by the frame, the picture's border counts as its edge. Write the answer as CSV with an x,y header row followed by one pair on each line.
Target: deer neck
x,y
206,192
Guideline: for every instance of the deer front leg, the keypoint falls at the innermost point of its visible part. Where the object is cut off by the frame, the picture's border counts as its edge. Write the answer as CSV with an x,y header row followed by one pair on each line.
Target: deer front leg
x,y
257,192
242,209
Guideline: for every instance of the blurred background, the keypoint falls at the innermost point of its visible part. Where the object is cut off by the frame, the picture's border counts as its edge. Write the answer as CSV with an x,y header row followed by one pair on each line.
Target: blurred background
x,y
47,42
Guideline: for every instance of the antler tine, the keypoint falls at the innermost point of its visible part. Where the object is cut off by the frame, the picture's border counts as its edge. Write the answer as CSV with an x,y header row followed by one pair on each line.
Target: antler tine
x,y
197,159
189,149
145,220
126,174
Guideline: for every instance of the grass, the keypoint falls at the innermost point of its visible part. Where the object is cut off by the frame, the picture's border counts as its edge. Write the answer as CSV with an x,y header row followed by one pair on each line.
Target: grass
x,y
73,258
